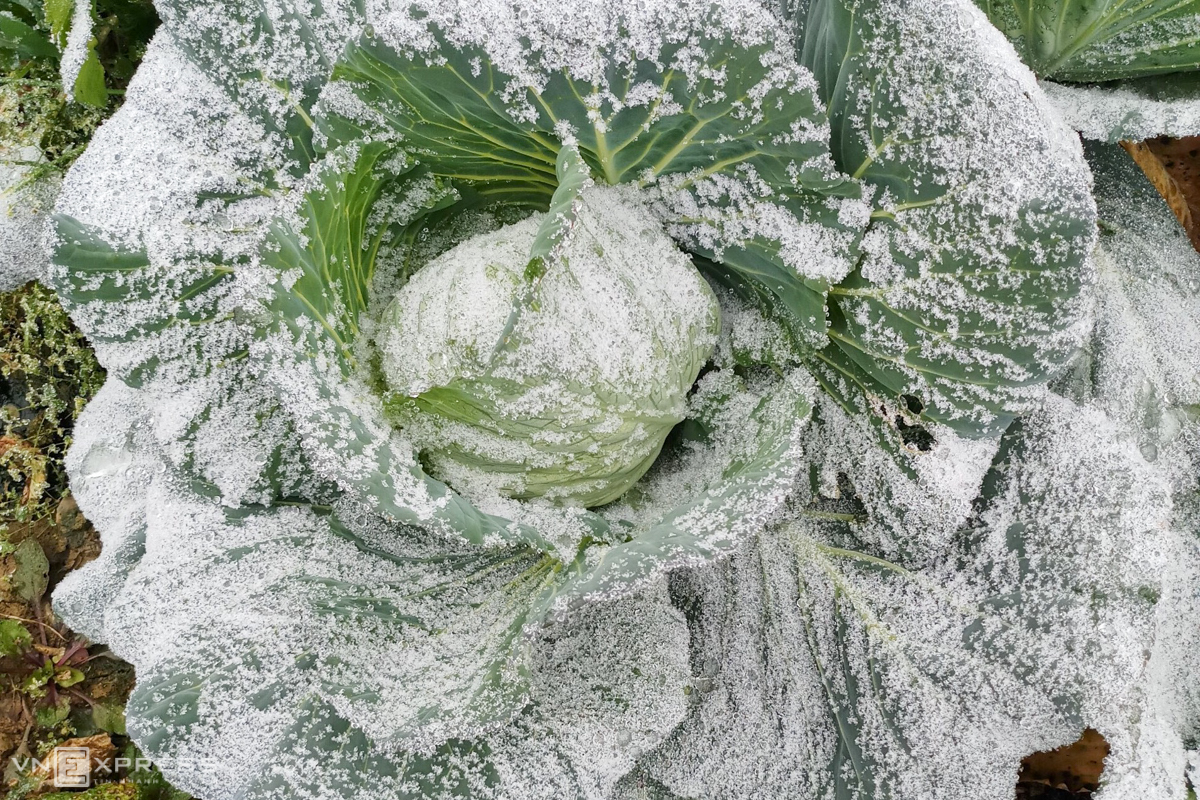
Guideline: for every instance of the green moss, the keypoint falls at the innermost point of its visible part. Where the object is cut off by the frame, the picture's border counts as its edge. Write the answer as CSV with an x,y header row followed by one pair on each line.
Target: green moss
x,y
47,374
34,110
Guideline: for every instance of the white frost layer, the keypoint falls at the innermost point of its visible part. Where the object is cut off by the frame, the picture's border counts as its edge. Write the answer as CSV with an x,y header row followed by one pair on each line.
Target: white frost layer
x,y
177,136
532,39
260,612
1145,352
1110,114
76,51
1145,371
23,211
992,215
595,42
819,662
915,500
112,461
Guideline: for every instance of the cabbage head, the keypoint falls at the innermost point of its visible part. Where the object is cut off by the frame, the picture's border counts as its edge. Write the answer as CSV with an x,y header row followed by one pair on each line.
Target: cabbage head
x,y
616,399
571,397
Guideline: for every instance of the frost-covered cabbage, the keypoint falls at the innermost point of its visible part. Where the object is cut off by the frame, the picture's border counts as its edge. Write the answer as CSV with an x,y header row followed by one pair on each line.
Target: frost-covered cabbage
x,y
571,397
900,532
1116,69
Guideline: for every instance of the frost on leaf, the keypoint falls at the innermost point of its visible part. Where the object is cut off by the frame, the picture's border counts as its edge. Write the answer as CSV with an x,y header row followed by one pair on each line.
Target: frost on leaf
x,y
112,461
23,211
1132,110
970,291
1071,41
1143,368
77,49
249,625
151,279
824,669
900,489
1146,346
701,105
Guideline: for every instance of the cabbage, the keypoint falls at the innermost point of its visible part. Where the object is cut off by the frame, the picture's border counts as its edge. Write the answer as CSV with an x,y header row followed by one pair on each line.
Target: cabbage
x,y
396,502
574,399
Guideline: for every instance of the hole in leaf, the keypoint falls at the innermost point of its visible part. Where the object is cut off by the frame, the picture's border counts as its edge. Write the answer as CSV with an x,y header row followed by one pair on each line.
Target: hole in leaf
x,y
913,403
427,467
1071,772
915,437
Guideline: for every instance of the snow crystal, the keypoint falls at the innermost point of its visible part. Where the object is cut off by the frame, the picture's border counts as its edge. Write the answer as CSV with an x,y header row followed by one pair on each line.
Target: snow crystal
x,y
1110,113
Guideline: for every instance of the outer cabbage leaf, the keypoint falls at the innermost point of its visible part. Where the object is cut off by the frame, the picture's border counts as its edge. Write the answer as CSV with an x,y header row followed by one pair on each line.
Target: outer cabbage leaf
x,y
971,288
613,718
152,283
1146,345
1135,110
1078,41
270,59
116,457
825,671
889,491
756,459
1141,367
969,293
407,643
101,276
